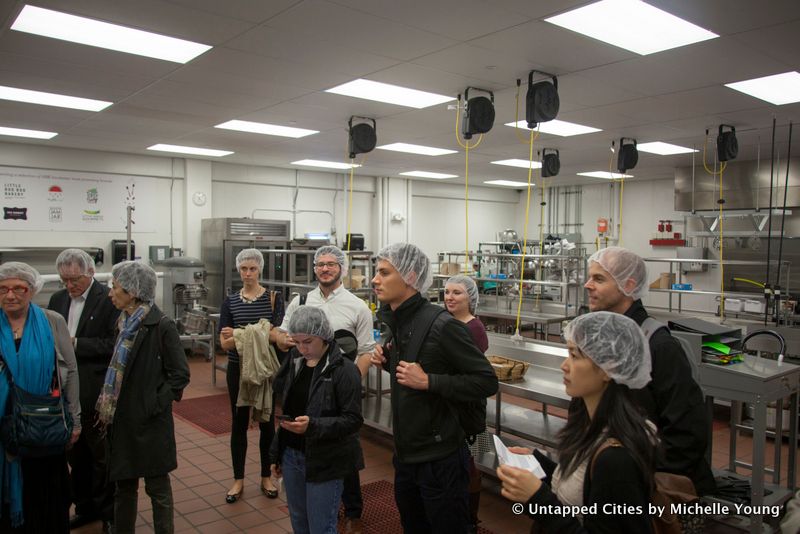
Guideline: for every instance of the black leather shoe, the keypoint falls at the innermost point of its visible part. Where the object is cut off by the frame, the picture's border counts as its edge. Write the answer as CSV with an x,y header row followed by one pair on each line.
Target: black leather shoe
x,y
78,520
231,498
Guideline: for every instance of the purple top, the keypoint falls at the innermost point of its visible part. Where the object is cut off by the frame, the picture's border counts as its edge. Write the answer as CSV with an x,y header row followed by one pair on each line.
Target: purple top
x,y
478,332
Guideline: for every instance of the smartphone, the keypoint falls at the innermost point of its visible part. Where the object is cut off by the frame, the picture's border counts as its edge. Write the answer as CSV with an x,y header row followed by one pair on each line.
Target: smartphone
x,y
283,417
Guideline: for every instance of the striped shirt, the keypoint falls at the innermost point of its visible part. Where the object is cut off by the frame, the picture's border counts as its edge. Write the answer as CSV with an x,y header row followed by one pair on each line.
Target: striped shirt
x,y
237,313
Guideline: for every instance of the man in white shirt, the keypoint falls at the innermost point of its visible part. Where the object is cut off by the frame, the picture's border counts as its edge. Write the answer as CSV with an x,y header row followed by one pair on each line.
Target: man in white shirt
x,y
92,321
346,312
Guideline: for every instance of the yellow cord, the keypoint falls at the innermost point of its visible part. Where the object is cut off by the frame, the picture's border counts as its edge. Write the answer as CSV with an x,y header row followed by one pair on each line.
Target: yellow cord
x,y
619,226
350,205
541,240
705,165
466,212
516,122
747,280
525,232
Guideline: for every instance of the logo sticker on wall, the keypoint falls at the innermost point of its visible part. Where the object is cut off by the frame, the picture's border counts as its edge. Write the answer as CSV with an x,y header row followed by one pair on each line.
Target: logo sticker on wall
x,y
92,215
55,194
15,214
14,190
92,196
55,215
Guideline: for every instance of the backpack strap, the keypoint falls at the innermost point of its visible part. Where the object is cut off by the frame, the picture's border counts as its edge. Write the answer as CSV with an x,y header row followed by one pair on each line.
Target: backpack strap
x,y
303,299
607,444
650,326
421,325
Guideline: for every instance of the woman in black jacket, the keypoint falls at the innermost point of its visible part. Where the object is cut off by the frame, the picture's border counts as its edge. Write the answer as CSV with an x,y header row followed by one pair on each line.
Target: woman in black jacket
x,y
147,372
317,443
589,492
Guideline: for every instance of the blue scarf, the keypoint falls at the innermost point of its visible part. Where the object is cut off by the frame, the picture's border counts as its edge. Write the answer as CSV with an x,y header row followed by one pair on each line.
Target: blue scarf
x,y
32,369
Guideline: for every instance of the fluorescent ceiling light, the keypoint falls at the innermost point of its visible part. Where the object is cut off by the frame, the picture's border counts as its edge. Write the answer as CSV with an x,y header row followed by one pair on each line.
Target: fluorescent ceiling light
x,y
266,129
417,149
664,149
190,150
522,163
51,99
391,94
325,164
20,132
605,174
426,174
777,89
557,127
57,25
509,183
632,25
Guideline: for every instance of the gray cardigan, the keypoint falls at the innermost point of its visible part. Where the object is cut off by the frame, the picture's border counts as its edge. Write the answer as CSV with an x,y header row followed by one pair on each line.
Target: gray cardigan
x,y
67,365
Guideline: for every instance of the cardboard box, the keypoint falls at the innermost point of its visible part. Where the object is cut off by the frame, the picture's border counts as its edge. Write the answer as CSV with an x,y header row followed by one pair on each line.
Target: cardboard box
x,y
449,269
356,271
665,281
355,281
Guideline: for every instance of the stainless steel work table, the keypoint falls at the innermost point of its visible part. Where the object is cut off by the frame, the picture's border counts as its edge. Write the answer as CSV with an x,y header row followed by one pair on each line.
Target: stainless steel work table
x,y
540,320
758,381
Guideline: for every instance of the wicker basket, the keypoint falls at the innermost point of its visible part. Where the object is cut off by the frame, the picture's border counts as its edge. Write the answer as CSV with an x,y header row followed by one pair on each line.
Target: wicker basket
x,y
508,369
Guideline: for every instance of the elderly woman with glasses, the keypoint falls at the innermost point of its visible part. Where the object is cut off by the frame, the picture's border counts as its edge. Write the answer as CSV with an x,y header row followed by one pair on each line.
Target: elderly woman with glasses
x,y
148,371
34,492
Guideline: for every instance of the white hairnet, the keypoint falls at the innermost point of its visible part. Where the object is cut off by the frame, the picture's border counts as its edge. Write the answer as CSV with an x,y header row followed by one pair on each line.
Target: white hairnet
x,y
469,286
250,254
137,278
412,264
615,343
23,271
77,257
310,321
336,252
622,265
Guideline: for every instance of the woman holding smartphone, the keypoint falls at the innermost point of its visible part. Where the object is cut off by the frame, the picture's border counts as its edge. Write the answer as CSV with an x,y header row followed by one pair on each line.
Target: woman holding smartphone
x,y
317,443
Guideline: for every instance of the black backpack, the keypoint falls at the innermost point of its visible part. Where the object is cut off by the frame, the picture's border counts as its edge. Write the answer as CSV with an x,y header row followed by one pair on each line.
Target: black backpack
x,y
471,414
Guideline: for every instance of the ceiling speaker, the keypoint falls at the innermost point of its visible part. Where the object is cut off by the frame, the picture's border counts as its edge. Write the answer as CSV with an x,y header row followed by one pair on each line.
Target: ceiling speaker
x,y
628,155
727,145
541,102
551,164
478,113
362,136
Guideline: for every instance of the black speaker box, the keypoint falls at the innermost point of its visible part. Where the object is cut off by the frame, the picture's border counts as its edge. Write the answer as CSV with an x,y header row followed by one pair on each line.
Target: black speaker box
x,y
362,138
628,155
551,164
541,102
727,145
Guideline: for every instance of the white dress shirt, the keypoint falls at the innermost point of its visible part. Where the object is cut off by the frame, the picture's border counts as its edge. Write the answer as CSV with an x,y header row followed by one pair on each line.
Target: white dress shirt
x,y
75,311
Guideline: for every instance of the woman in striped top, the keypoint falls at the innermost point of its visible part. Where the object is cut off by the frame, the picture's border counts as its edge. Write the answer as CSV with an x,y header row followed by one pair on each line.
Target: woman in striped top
x,y
251,303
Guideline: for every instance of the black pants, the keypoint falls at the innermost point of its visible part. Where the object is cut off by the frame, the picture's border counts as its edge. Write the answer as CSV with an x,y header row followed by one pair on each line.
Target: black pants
x,y
351,495
432,496
241,421
45,497
91,491
159,489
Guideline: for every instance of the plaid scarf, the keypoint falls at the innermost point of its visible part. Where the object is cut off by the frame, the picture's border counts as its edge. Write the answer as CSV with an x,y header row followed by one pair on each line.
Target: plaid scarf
x,y
128,328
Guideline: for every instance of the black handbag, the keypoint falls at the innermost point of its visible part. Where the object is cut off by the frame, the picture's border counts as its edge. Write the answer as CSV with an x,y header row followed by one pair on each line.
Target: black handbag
x,y
35,425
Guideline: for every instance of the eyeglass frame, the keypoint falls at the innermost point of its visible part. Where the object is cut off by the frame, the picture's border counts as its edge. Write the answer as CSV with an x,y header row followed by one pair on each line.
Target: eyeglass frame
x,y
17,290
328,264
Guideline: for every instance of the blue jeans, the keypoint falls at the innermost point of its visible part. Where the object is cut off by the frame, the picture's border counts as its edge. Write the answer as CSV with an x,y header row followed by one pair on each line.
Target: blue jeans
x,y
313,506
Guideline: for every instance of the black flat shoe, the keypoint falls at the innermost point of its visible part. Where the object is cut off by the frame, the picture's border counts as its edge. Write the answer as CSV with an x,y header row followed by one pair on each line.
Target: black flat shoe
x,y
231,498
271,494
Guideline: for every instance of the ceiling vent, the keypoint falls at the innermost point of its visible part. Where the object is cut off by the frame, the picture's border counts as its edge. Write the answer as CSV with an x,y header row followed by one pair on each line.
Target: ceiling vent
x,y
478,113
541,102
362,136
628,155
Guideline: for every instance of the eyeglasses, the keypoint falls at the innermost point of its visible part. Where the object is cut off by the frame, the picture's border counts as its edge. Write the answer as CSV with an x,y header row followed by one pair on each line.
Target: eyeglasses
x,y
74,280
328,264
17,290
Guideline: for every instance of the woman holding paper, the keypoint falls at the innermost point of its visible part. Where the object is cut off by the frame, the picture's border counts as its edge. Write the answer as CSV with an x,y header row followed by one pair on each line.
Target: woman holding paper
x,y
608,354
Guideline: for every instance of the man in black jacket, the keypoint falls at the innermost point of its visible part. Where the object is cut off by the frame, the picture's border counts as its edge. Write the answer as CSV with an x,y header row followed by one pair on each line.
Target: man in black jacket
x,y
672,400
428,388
92,321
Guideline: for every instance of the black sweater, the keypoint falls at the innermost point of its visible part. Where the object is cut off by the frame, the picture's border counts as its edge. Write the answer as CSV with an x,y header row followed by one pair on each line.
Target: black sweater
x,y
616,487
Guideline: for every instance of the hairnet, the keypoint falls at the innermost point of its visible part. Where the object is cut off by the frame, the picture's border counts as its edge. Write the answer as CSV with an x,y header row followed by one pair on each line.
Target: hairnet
x,y
412,264
615,343
136,278
336,252
250,254
77,257
310,321
469,286
23,271
622,265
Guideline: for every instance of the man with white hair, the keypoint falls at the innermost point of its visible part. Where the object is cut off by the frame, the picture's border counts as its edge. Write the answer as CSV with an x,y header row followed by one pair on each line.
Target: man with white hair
x,y
436,370
617,280
351,321
92,321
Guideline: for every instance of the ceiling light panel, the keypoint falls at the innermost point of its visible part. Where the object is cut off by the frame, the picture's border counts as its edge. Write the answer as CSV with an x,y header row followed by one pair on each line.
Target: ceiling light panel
x,y
65,27
426,174
508,183
777,89
265,129
190,150
632,25
390,94
664,149
417,149
21,132
325,164
557,127
605,174
521,163
51,99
